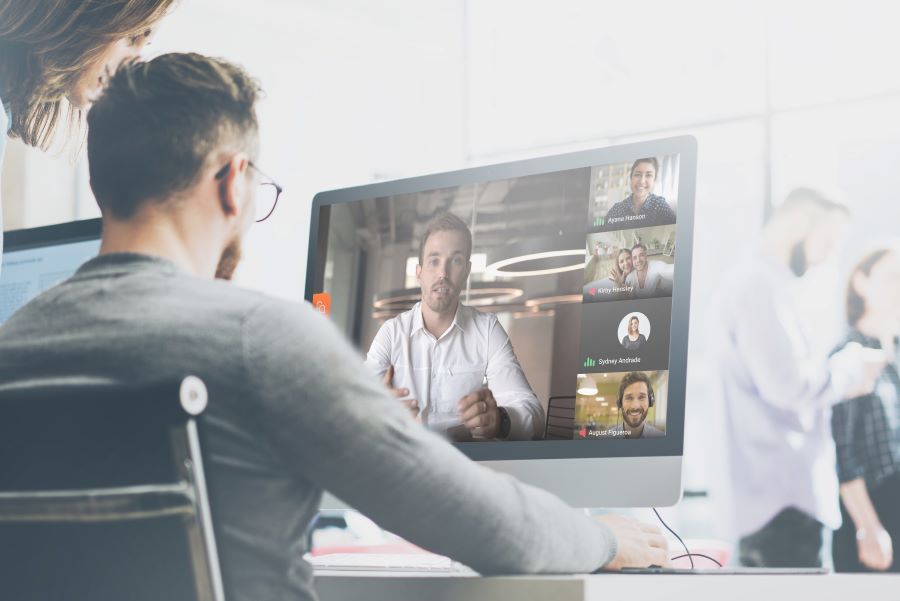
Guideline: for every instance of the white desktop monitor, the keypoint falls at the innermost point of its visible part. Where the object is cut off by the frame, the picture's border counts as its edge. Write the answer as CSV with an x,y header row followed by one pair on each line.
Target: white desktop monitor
x,y
36,259
546,233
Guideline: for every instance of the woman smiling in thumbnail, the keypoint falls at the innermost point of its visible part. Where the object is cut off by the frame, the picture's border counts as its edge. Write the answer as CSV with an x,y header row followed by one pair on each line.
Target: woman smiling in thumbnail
x,y
642,207
624,266
633,340
611,287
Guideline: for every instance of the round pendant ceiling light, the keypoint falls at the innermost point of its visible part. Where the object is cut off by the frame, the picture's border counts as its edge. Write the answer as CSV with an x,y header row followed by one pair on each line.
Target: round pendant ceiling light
x,y
553,299
540,255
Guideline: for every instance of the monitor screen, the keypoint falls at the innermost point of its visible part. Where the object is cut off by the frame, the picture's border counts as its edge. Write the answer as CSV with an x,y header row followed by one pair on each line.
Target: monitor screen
x,y
551,288
38,259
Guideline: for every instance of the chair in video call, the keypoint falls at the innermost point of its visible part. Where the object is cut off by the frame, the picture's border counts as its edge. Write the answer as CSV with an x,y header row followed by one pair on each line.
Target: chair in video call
x,y
103,495
560,418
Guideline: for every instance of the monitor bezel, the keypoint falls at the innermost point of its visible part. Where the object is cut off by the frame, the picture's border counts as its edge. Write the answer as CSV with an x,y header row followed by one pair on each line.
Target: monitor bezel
x,y
52,235
684,146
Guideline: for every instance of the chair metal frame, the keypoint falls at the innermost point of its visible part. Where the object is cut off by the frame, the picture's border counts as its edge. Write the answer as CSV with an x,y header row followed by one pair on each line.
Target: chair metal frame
x,y
188,497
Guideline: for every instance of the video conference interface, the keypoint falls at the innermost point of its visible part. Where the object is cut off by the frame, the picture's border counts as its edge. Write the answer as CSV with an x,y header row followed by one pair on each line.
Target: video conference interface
x,y
559,331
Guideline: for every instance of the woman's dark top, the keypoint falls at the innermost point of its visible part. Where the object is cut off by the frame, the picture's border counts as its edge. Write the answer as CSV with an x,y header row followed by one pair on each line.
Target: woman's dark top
x,y
633,345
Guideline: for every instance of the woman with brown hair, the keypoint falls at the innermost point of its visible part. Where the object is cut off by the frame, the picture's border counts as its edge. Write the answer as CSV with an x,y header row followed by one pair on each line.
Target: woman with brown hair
x,y
633,339
866,429
56,55
642,207
611,287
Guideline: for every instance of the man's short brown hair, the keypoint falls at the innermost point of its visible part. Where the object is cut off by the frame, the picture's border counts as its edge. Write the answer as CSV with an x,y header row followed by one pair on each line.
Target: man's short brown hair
x,y
445,222
157,123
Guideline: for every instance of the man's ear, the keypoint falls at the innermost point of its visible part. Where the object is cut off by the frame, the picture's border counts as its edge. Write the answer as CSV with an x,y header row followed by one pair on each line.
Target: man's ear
x,y
418,271
233,187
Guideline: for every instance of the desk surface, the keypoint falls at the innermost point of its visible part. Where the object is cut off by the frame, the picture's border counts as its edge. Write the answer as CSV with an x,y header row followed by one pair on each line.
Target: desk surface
x,y
334,586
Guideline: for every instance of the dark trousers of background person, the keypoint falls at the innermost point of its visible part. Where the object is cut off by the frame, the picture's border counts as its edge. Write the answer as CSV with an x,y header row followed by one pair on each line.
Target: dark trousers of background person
x,y
886,499
792,539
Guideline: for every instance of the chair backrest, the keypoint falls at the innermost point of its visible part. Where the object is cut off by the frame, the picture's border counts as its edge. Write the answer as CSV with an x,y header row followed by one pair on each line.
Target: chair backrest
x,y
560,418
102,493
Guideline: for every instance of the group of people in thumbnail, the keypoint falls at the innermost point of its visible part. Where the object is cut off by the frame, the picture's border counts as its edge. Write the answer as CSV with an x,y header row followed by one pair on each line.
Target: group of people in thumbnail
x,y
633,275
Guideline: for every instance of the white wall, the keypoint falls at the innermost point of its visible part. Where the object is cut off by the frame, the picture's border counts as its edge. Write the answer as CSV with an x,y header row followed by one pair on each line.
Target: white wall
x,y
355,92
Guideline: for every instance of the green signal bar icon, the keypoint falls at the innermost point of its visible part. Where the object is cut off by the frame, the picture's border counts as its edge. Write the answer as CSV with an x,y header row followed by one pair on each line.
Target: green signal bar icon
x,y
599,221
590,362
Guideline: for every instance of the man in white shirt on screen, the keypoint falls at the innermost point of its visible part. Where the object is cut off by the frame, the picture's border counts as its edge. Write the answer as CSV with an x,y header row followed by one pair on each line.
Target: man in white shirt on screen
x,y
453,366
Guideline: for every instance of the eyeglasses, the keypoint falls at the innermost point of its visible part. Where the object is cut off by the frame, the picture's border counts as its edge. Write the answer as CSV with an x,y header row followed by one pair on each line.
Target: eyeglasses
x,y
268,195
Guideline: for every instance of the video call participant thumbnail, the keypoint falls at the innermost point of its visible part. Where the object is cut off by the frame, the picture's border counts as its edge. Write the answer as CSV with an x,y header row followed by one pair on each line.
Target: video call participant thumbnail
x,y
634,402
633,339
453,366
642,208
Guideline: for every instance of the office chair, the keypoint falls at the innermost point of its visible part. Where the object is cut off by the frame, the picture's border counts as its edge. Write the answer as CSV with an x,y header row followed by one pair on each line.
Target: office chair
x,y
560,418
103,495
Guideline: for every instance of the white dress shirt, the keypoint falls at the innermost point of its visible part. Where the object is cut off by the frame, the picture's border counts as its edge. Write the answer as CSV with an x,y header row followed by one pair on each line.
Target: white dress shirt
x,y
774,396
473,353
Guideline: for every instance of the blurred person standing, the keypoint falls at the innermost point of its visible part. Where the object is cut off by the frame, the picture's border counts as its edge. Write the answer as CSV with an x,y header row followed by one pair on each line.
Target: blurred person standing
x,y
867,429
778,488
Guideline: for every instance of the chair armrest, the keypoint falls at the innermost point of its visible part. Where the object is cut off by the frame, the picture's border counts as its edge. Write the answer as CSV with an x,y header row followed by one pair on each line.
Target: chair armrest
x,y
98,505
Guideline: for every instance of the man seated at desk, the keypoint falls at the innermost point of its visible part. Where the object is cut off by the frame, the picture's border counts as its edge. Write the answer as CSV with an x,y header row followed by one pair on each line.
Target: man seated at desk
x,y
454,366
173,147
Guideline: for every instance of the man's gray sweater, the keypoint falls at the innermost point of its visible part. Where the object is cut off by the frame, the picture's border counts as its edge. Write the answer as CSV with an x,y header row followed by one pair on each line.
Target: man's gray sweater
x,y
293,411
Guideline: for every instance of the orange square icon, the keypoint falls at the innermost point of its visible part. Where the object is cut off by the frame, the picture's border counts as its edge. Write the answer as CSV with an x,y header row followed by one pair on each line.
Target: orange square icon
x,y
322,303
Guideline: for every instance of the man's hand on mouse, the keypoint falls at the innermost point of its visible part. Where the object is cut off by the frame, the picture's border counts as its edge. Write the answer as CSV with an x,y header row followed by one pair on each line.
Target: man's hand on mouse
x,y
638,545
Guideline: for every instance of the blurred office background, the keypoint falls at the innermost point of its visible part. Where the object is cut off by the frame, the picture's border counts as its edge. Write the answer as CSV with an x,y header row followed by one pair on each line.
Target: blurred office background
x,y
778,94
